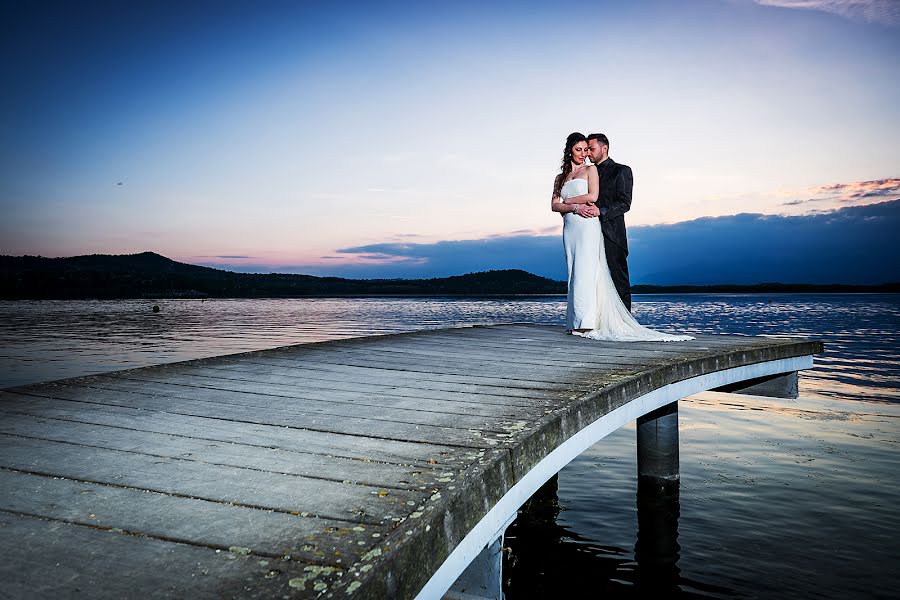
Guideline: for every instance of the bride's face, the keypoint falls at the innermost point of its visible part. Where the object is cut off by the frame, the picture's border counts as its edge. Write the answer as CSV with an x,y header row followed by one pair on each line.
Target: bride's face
x,y
579,152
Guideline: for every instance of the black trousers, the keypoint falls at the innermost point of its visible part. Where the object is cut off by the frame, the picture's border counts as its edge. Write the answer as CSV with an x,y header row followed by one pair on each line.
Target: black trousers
x,y
617,259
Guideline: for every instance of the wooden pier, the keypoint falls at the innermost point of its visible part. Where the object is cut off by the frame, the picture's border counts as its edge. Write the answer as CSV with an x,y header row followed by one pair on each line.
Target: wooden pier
x,y
378,467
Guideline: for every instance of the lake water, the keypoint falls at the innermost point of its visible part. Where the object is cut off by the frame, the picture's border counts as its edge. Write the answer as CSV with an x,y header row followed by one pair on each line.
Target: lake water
x,y
779,498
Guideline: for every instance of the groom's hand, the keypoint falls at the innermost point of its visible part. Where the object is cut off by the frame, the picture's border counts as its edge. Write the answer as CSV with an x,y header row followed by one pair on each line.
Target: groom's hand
x,y
590,211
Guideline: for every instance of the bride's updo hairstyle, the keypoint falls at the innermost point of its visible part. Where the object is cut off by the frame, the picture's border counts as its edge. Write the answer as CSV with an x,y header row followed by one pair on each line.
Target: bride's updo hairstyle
x,y
573,139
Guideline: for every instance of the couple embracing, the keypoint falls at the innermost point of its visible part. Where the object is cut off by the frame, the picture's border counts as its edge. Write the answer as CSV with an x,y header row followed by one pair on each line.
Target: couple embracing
x,y
593,198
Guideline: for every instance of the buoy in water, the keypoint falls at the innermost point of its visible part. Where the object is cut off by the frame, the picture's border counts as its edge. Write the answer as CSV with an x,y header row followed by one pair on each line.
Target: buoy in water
x,y
156,308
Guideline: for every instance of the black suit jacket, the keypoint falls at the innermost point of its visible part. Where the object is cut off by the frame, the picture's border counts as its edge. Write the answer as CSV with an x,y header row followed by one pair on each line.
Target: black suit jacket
x,y
614,200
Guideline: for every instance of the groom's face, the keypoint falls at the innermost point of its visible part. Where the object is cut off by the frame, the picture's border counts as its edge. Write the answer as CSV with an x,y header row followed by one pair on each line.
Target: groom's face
x,y
597,151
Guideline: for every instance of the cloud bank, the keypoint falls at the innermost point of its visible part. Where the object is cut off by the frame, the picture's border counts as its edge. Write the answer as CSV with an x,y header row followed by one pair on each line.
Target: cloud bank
x,y
856,244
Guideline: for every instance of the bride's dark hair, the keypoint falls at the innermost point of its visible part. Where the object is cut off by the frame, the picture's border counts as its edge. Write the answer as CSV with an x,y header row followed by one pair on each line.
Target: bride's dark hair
x,y
573,139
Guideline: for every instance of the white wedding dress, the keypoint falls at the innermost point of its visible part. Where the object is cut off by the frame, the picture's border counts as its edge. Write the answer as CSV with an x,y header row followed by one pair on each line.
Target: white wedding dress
x,y
592,301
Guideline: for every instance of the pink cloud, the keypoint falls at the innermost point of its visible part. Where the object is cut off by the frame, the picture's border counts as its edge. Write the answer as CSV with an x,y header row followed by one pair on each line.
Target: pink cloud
x,y
860,189
861,192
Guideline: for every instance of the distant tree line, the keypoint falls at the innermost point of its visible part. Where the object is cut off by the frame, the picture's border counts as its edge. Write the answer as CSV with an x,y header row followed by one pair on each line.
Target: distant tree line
x,y
149,275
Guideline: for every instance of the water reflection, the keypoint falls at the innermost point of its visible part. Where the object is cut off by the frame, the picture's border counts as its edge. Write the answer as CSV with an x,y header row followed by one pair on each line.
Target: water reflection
x,y
545,559
656,550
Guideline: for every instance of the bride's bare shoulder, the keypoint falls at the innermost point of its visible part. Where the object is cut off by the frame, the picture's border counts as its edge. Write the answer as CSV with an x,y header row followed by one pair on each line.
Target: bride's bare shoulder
x,y
581,170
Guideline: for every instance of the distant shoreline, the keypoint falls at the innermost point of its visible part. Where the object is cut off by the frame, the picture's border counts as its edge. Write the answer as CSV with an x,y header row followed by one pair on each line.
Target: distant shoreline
x,y
150,276
433,296
635,291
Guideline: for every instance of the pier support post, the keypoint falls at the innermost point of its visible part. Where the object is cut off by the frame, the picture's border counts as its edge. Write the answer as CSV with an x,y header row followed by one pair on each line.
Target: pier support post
x,y
783,385
657,449
482,578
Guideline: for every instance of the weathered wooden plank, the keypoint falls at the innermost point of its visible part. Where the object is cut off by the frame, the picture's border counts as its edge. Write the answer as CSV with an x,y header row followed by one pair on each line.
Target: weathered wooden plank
x,y
500,368
538,336
377,382
208,428
574,344
187,520
529,345
590,351
414,379
220,453
300,387
311,399
365,426
553,359
248,487
632,353
469,351
53,559
304,356
517,334
386,366
279,397
300,410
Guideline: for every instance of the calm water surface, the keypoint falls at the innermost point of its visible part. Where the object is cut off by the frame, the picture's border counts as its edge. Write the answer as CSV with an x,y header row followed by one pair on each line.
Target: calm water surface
x,y
779,499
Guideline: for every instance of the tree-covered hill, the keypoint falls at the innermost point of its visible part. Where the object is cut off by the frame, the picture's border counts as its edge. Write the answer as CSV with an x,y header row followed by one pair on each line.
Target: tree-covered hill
x,y
149,275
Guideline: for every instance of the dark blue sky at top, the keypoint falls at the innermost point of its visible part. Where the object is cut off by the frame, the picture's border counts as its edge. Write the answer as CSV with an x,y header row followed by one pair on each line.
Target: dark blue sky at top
x,y
103,59
60,54
92,75
856,245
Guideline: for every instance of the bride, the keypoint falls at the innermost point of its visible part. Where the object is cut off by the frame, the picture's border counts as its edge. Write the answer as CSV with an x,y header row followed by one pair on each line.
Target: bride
x,y
593,307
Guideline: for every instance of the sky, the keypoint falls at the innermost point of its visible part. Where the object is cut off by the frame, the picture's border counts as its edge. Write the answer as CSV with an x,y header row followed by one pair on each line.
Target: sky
x,y
343,138
854,245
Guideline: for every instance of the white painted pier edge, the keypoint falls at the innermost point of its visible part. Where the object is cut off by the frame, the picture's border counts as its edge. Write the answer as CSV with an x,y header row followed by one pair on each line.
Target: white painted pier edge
x,y
495,522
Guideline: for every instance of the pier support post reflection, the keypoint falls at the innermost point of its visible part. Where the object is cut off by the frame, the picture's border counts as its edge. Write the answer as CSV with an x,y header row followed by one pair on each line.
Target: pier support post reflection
x,y
656,550
657,447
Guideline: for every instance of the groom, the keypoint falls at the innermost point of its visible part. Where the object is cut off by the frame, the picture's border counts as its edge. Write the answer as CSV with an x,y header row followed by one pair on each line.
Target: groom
x,y
614,201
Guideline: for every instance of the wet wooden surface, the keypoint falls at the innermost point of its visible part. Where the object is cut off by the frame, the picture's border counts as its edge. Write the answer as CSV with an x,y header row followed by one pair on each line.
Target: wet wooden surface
x,y
307,471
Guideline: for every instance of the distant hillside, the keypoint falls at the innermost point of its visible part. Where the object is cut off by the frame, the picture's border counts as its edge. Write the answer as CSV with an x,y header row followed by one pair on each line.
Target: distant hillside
x,y
149,275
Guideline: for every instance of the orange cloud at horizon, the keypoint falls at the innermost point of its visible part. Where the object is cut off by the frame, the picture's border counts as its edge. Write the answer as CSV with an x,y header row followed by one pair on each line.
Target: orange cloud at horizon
x,y
873,191
860,189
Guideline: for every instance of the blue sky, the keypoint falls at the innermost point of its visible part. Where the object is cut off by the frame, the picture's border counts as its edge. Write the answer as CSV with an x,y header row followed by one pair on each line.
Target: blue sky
x,y
278,135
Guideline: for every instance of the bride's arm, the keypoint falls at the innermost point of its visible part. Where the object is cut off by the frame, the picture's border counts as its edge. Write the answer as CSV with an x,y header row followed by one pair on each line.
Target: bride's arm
x,y
593,189
560,206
